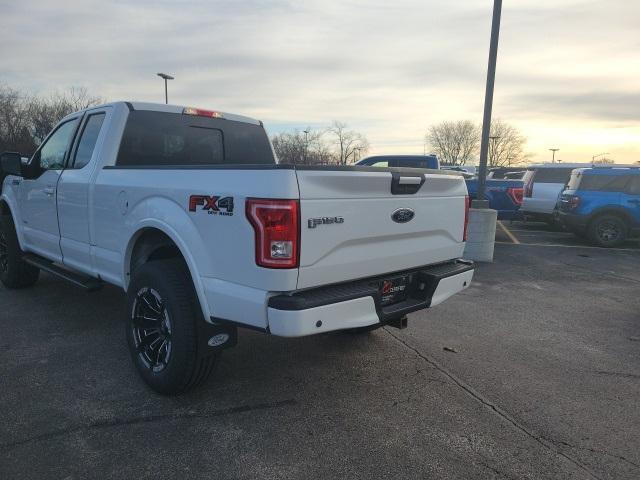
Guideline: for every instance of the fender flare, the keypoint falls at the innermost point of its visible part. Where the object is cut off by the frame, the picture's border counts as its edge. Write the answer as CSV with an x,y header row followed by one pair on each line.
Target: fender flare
x,y
186,253
14,212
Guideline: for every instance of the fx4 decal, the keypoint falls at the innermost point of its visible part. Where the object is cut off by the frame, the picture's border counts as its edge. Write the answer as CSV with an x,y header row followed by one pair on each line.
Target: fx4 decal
x,y
212,205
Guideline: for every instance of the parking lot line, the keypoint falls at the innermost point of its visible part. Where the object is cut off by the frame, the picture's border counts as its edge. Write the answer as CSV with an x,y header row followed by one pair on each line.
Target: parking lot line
x,y
511,236
569,246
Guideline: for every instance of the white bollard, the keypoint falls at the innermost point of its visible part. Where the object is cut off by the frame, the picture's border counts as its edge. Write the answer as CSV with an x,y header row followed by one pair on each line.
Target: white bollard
x,y
481,234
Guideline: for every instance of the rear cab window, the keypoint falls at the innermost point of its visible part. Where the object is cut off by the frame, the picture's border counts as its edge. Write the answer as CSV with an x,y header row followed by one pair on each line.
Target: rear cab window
x,y
551,175
160,138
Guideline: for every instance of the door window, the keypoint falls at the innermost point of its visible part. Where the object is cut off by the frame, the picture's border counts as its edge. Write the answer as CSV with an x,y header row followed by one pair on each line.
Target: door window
x,y
634,185
54,150
380,163
88,139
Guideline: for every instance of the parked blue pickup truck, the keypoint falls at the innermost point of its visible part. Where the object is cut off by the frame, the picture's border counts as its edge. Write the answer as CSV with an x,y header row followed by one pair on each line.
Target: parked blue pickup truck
x,y
505,196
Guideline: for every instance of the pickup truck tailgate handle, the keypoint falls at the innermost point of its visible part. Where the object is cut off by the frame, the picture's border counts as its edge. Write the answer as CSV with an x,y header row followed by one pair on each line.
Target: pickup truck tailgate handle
x,y
406,184
410,180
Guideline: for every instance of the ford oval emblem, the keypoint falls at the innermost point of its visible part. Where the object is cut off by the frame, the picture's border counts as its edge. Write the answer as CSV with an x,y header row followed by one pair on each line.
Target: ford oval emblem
x,y
403,215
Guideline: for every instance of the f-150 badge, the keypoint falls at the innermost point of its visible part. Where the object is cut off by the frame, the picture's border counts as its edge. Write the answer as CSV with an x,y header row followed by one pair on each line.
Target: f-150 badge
x,y
314,222
211,204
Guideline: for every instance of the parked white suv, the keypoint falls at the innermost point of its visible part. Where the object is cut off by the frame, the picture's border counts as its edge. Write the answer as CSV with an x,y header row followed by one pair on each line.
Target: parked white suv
x,y
188,211
543,184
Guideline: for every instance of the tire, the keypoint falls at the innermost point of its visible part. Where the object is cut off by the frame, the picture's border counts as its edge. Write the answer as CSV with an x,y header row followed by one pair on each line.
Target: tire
x,y
163,345
608,231
14,272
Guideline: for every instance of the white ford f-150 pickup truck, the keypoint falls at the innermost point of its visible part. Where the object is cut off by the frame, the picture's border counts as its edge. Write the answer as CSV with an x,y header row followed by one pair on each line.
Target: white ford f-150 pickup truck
x,y
189,212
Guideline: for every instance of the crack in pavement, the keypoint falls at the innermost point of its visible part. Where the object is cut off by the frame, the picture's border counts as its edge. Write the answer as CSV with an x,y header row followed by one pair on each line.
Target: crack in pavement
x,y
617,374
503,414
595,450
117,422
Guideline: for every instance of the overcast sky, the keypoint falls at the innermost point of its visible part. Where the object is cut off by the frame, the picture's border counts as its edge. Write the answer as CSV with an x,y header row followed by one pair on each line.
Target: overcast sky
x,y
568,71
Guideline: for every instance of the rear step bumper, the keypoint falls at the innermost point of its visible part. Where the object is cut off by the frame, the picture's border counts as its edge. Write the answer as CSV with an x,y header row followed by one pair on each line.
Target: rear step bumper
x,y
359,303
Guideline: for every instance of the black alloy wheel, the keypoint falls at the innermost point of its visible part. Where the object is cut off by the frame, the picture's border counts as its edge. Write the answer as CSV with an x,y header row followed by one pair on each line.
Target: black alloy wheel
x,y
151,326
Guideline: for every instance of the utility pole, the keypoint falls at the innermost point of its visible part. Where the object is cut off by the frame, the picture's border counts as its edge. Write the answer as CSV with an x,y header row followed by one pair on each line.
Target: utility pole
x,y
488,104
553,156
165,77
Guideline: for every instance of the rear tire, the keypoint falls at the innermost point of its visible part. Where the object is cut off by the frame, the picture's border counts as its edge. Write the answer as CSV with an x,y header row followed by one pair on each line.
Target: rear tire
x,y
162,311
14,272
608,231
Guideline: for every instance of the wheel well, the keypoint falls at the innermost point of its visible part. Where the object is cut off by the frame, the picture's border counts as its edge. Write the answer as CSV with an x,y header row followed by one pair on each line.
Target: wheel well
x,y
621,214
4,208
152,244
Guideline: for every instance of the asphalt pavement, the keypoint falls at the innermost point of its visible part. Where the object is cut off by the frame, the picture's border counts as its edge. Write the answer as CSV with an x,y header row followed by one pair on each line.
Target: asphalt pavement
x,y
532,372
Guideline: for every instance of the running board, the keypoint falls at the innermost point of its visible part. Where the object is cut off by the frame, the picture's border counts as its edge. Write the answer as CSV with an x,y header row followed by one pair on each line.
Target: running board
x,y
79,280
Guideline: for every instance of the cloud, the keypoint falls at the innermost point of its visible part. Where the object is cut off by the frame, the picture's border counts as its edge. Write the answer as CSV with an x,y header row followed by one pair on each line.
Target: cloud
x,y
387,68
611,107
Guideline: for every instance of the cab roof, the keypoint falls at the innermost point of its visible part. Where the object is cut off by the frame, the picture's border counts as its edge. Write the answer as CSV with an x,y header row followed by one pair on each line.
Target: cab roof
x,y
161,107
609,170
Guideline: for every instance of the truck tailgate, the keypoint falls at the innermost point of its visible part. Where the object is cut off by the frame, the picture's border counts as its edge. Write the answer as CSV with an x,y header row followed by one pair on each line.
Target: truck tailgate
x,y
347,225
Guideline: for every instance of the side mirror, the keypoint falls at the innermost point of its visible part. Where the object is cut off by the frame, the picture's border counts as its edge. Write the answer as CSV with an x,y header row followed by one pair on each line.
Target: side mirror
x,y
11,163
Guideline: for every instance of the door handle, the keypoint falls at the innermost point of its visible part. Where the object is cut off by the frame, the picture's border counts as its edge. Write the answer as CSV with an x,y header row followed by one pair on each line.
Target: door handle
x,y
49,190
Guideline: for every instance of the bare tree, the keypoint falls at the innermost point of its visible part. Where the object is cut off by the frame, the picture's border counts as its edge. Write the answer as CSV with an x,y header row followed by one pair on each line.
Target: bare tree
x,y
15,132
334,145
298,147
45,113
605,161
349,143
455,143
506,145
25,120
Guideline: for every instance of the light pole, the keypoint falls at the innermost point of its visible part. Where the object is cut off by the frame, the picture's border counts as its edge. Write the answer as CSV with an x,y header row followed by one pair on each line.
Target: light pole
x,y
553,156
165,77
306,144
488,104
356,149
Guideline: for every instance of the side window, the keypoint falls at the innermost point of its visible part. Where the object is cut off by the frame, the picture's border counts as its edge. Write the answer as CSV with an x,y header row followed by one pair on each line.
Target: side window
x,y
51,154
88,139
604,183
634,185
552,175
380,163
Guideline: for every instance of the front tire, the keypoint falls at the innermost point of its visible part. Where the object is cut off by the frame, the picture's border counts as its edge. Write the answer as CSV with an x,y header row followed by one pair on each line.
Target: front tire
x,y
162,311
608,231
14,272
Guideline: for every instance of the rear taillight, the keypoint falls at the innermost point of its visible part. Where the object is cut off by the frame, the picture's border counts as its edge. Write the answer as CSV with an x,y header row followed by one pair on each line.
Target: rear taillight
x,y
277,231
528,189
574,202
528,183
467,203
516,194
